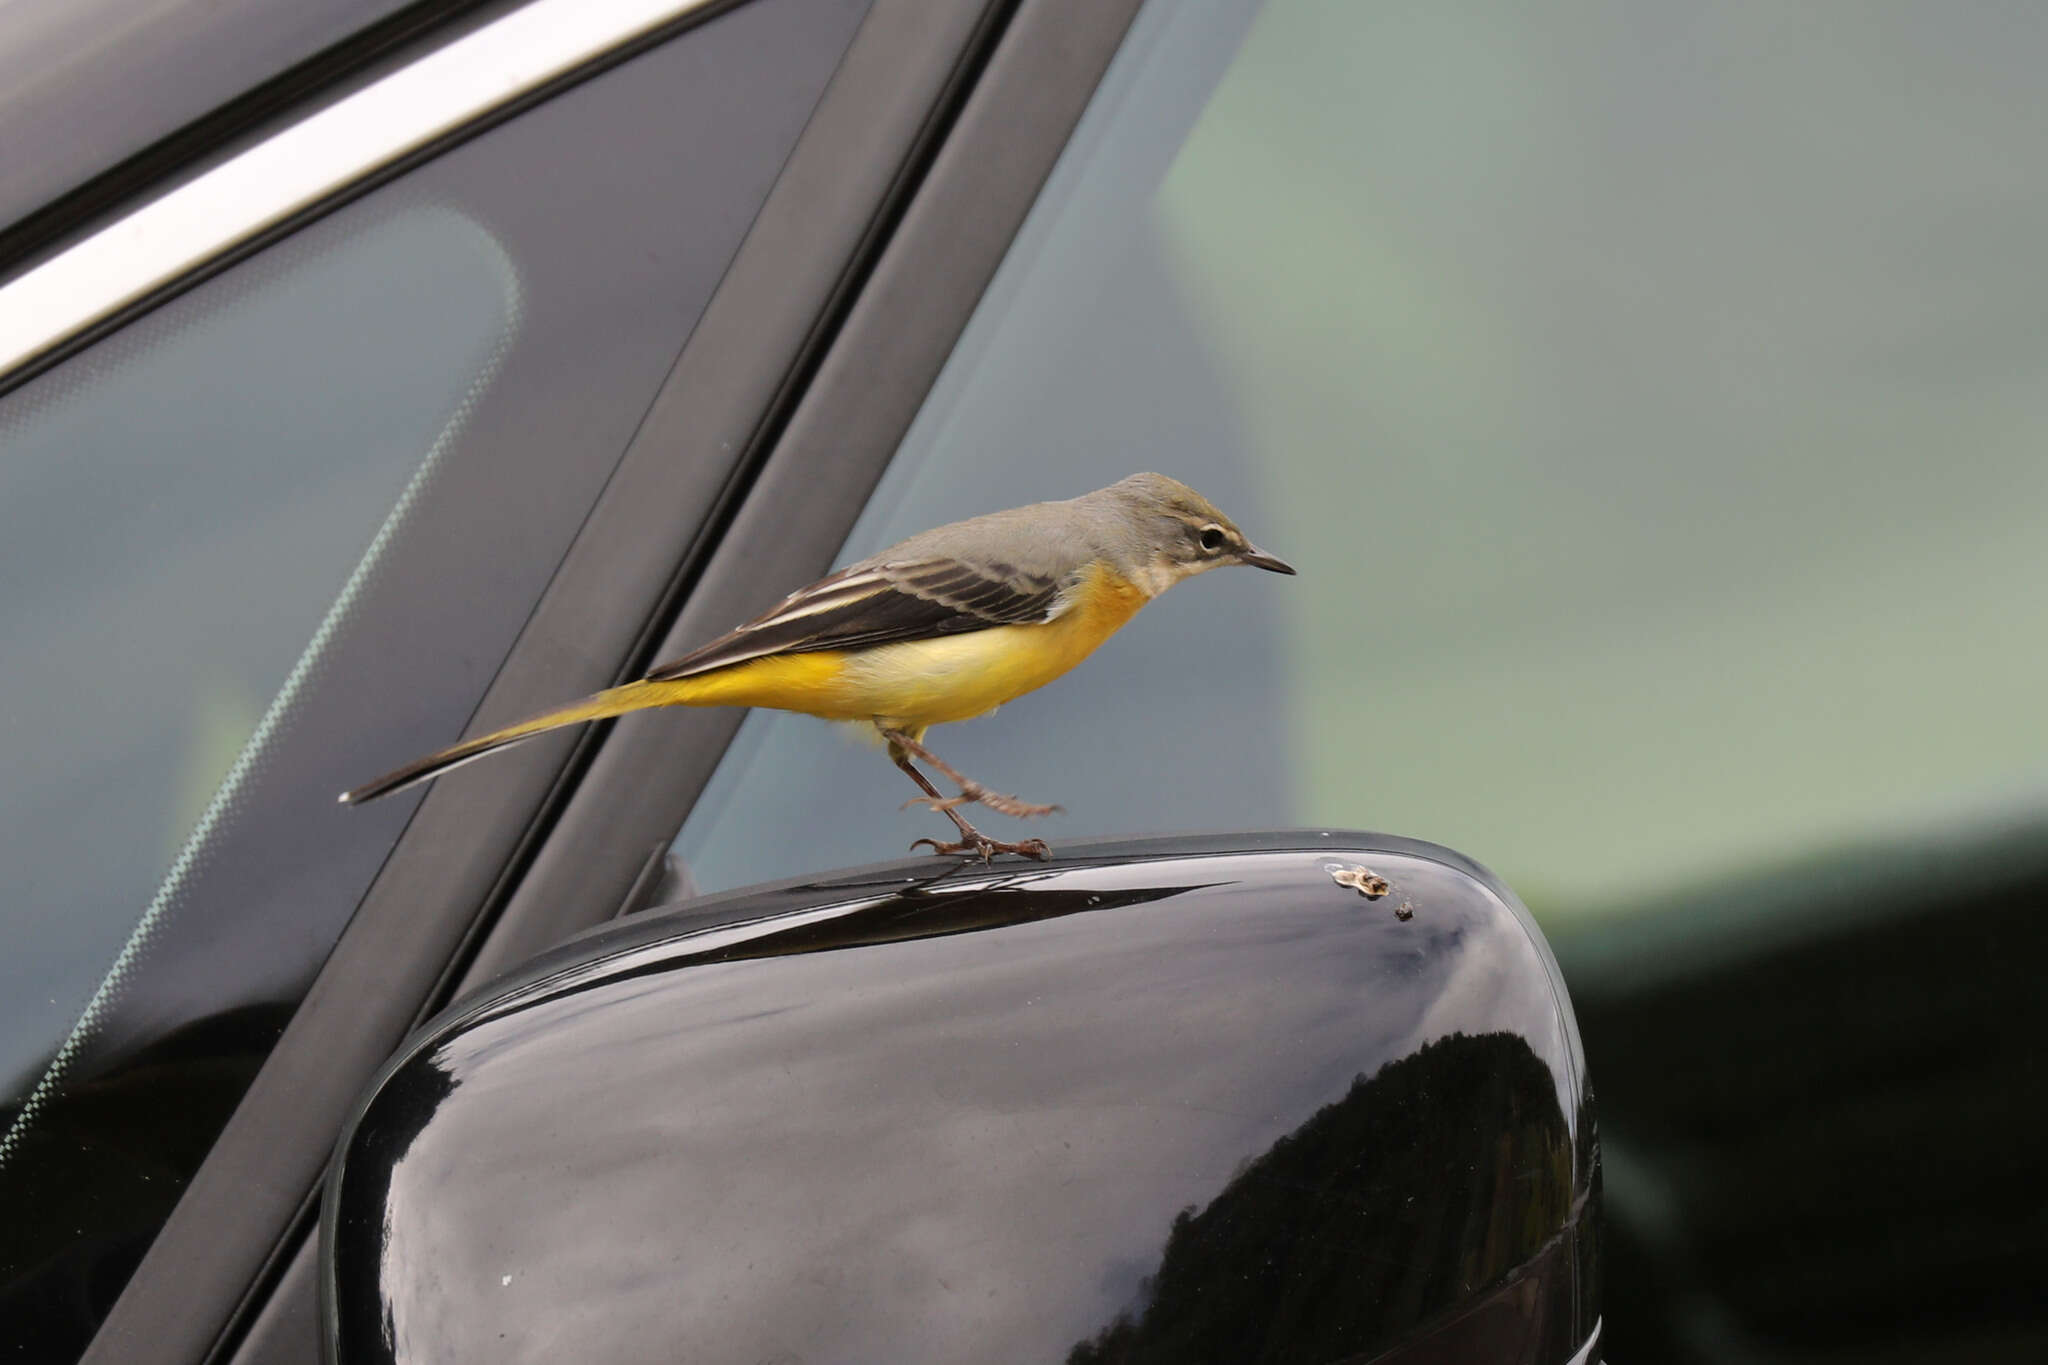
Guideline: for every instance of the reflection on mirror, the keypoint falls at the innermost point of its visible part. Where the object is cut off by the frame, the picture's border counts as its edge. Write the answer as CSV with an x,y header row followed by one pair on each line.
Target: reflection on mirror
x,y
1438,1174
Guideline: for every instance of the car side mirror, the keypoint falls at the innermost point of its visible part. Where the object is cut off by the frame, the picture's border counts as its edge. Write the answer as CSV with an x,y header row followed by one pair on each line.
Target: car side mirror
x,y
1283,1097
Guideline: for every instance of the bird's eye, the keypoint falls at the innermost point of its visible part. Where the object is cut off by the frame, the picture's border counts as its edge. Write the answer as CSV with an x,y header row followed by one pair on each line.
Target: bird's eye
x,y
1212,538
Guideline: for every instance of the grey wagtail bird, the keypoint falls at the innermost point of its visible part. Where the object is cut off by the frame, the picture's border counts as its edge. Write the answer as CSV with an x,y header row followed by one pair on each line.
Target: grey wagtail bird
x,y
946,626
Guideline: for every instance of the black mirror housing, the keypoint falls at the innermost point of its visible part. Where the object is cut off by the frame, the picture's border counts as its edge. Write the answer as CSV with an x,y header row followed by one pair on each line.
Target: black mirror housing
x,y
1220,1098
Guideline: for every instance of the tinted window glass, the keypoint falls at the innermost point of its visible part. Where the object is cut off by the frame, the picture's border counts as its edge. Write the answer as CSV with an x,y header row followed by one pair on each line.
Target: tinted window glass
x,y
173,515
281,533
1649,397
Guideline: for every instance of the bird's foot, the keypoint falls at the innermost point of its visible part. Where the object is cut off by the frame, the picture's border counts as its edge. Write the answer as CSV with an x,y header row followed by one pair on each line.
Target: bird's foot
x,y
976,844
972,841
973,793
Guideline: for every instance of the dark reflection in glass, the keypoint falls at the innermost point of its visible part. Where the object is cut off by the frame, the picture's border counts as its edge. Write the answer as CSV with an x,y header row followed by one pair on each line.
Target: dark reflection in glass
x,y
1823,1088
1431,1179
112,1154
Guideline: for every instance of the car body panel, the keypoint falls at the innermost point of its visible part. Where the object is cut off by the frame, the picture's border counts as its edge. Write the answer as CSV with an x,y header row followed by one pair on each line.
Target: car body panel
x,y
1154,1096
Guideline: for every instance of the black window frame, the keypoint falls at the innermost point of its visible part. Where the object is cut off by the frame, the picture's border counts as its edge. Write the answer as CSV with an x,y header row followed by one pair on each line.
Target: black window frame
x,y
812,484
901,196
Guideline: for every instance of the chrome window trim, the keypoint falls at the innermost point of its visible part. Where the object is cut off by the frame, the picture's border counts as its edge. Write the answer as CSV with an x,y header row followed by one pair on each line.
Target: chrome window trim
x,y
312,160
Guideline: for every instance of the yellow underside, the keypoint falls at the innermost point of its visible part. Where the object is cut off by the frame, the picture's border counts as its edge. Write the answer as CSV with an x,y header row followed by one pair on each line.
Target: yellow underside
x,y
919,683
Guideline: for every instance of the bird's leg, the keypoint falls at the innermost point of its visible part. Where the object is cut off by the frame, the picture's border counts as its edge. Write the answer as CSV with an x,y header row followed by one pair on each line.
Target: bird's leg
x,y
972,840
967,831
970,790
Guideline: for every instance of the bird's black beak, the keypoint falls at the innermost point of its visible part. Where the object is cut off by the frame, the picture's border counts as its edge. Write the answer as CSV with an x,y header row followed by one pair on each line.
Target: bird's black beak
x,y
1259,559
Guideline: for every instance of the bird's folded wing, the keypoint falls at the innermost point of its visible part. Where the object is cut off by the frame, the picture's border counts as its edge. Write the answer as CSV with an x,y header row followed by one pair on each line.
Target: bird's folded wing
x,y
874,604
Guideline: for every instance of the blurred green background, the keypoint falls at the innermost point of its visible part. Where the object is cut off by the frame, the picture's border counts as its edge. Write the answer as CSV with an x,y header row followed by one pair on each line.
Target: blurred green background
x,y
1653,397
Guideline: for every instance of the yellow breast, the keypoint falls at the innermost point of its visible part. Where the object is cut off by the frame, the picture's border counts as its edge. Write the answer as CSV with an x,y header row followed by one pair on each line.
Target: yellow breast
x,y
918,683
932,682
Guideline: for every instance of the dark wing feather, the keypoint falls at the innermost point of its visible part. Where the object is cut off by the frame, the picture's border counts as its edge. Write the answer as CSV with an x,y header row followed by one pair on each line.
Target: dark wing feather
x,y
876,604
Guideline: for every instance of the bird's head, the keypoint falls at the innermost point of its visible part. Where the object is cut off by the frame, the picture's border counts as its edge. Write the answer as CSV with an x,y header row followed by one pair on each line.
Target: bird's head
x,y
1177,533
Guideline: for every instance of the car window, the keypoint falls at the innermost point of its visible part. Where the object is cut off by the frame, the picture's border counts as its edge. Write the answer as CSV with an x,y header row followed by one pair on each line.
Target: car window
x,y
138,494
81,95
1648,396
281,529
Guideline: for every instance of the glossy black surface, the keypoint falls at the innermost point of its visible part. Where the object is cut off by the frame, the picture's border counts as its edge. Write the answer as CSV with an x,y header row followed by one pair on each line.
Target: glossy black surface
x,y
1174,1100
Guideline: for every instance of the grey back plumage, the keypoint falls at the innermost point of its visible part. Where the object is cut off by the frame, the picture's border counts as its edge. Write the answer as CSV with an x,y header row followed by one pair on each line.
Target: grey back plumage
x,y
1013,567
